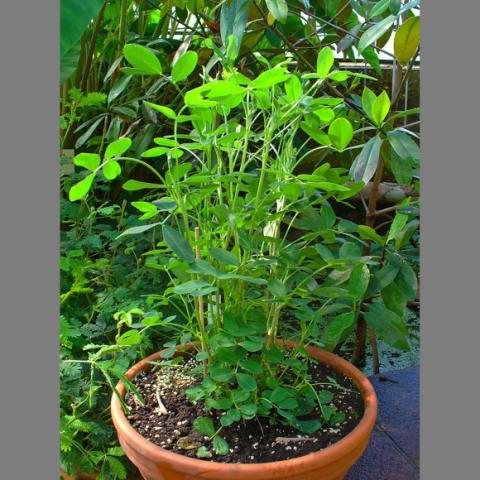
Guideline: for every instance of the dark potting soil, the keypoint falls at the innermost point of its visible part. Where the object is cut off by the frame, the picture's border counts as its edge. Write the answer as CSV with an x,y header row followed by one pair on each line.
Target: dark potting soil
x,y
252,441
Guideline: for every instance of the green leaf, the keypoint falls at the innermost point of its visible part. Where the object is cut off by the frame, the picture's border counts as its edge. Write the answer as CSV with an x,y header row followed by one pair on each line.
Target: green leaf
x,y
375,32
307,426
204,425
368,233
178,244
202,452
117,89
380,108
80,189
111,170
402,168
252,345
90,161
139,229
233,20
246,382
130,337
370,55
220,446
224,257
404,145
142,59
293,89
378,8
269,78
251,366
388,325
318,135
325,61
117,467
337,328
155,152
147,208
75,15
135,185
368,99
117,148
407,40
398,223
340,133
365,164
277,287
395,6
394,299
358,282
167,111
407,281
184,66
220,374
279,9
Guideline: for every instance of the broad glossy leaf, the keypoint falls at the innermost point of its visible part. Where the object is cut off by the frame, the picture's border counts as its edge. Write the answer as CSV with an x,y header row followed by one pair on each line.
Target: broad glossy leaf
x,y
142,59
368,99
325,61
233,20
278,8
293,89
118,147
184,66
375,32
80,189
358,282
365,164
246,382
111,170
269,78
340,133
380,108
407,40
404,145
90,161
394,299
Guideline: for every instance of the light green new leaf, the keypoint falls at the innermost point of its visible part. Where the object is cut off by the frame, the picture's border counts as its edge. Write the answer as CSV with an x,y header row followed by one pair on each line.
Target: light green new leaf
x,y
340,133
134,185
178,244
80,189
365,164
118,147
167,111
368,99
184,66
325,61
279,9
380,108
407,40
142,59
375,32
269,78
111,170
293,89
90,161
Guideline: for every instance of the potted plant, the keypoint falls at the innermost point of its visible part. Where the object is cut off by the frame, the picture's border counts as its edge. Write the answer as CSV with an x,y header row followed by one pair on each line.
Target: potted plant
x,y
226,198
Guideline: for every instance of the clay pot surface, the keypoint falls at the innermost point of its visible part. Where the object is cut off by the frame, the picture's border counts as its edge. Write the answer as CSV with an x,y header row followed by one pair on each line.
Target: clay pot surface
x,y
331,463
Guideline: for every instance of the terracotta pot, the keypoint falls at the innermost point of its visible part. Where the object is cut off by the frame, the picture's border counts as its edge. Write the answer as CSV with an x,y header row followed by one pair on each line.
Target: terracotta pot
x,y
332,463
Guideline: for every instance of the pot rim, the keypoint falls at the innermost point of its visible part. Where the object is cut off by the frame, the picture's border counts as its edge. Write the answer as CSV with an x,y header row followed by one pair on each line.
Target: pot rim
x,y
305,462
